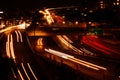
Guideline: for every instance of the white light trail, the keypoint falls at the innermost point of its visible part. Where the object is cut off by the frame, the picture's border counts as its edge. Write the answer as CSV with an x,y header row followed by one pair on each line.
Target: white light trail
x,y
25,71
47,16
7,47
68,44
20,74
13,73
11,47
32,71
72,58
22,26
17,36
66,38
20,36
61,7
86,51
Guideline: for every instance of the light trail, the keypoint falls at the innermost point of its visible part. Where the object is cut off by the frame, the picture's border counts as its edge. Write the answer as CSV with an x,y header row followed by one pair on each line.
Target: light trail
x,y
21,26
20,74
8,28
89,64
17,36
25,71
13,73
32,71
61,7
86,51
72,58
66,38
7,47
47,16
40,41
20,36
65,42
11,47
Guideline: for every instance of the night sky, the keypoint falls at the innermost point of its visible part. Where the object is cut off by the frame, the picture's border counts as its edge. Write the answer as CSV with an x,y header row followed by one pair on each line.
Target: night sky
x,y
40,3
46,3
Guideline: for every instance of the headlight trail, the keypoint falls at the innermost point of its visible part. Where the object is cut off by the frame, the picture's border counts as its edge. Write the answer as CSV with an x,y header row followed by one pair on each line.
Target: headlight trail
x,y
47,16
66,43
32,71
25,71
73,59
9,47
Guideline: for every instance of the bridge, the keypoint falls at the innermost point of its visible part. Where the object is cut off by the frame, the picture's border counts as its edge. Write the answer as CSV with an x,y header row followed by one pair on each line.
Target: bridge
x,y
53,30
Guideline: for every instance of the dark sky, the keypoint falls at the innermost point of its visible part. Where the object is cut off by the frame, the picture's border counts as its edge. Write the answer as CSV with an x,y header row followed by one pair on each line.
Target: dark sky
x,y
43,3
38,3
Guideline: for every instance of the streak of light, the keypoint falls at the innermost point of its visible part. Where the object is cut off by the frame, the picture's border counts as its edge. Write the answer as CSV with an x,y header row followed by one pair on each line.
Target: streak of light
x,y
61,7
47,16
84,64
25,71
17,36
86,51
6,29
20,74
72,58
20,36
68,44
22,26
11,48
2,25
18,33
90,64
40,41
32,71
7,47
66,38
13,73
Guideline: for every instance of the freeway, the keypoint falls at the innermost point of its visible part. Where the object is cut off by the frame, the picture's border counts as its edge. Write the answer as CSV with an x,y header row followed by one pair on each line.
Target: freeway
x,y
64,52
23,65
32,62
20,62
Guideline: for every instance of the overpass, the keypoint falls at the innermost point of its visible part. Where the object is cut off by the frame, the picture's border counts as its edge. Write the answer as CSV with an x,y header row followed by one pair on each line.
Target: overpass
x,y
53,30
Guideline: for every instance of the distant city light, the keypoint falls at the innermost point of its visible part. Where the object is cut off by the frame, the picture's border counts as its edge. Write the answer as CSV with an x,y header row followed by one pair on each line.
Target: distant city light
x,y
1,12
0,17
116,2
91,11
76,22
63,22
